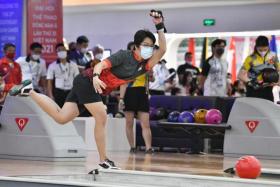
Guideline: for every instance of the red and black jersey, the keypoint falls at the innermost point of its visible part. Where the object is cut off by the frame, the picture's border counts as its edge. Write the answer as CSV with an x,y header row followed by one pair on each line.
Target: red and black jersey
x,y
124,66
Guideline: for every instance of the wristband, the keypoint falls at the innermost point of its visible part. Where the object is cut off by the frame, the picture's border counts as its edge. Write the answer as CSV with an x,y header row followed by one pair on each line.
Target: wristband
x,y
160,26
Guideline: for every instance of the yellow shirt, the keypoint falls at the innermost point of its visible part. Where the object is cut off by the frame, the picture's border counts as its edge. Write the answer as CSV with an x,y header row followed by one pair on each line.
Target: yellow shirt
x,y
256,60
140,81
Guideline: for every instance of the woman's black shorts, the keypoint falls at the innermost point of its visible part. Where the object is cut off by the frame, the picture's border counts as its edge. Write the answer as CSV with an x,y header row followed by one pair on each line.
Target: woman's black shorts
x,y
83,91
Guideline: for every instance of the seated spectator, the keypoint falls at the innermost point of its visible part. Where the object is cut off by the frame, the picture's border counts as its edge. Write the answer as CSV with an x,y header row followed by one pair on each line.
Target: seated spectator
x,y
187,86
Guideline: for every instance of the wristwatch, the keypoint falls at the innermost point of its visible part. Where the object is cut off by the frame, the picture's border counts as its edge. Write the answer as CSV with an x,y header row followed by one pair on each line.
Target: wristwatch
x,y
96,74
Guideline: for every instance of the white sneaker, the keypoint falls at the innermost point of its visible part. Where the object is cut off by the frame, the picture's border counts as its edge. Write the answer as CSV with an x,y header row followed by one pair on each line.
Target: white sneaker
x,y
108,164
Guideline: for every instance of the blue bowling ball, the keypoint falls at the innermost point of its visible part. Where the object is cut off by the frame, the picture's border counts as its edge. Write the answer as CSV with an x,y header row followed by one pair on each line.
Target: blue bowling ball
x,y
186,117
173,116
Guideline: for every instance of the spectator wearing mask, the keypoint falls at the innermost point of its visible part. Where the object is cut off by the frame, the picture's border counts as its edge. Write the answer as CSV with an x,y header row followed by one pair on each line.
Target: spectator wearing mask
x,y
81,56
160,74
97,53
34,68
187,67
60,76
254,66
214,71
12,69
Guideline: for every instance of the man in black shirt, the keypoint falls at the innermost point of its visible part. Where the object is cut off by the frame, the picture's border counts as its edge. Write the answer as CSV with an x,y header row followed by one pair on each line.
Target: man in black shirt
x,y
187,67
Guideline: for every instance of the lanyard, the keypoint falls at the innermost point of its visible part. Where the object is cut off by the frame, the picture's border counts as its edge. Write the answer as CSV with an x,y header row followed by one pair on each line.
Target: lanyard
x,y
67,70
30,69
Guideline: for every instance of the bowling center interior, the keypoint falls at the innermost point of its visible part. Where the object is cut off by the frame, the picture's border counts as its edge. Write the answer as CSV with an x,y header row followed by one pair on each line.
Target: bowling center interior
x,y
111,93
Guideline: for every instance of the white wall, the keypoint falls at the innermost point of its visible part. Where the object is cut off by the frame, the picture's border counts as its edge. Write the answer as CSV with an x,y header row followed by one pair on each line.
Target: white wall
x,y
113,28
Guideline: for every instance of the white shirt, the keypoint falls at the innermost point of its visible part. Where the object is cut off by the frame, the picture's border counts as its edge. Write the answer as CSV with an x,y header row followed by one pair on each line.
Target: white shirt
x,y
32,70
216,81
160,74
63,74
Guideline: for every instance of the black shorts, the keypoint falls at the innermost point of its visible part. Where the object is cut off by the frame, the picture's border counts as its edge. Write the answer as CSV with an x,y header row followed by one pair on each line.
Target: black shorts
x,y
83,92
136,99
60,96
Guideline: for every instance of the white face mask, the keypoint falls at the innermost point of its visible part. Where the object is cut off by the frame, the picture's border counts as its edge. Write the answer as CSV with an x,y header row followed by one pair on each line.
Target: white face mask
x,y
98,56
35,56
146,52
263,53
84,50
62,54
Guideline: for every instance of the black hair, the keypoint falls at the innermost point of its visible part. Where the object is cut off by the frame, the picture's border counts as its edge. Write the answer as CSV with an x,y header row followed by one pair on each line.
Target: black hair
x,y
172,70
72,44
218,42
82,39
7,45
175,91
156,47
262,41
35,45
141,35
188,54
131,43
59,45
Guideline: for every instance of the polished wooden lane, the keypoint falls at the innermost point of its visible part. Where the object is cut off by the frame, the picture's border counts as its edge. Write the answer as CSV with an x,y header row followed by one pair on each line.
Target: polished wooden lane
x,y
208,164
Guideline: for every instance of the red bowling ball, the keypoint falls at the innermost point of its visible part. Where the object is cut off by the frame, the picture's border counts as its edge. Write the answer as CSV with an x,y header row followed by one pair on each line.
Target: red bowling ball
x,y
248,167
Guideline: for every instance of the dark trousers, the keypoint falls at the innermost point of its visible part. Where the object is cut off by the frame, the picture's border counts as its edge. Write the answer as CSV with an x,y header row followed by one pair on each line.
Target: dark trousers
x,y
60,96
264,93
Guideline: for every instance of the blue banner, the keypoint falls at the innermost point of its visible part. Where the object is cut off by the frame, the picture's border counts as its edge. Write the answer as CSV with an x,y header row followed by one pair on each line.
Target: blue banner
x,y
272,44
11,16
